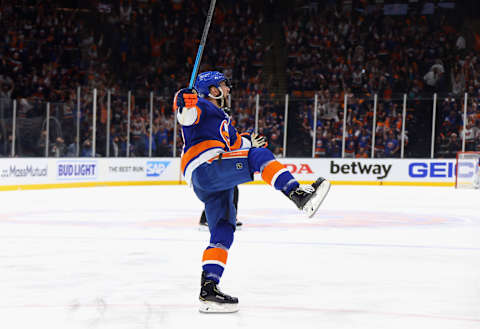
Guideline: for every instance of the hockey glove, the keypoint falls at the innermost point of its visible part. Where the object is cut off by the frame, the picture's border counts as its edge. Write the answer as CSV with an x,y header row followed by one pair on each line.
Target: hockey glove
x,y
186,97
256,139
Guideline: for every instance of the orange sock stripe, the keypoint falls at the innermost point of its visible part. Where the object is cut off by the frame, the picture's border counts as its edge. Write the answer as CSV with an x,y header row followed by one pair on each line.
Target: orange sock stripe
x,y
215,254
270,170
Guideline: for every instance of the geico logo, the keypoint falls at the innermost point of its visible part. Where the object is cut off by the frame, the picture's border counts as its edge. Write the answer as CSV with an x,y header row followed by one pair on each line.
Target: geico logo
x,y
303,168
467,169
359,168
433,169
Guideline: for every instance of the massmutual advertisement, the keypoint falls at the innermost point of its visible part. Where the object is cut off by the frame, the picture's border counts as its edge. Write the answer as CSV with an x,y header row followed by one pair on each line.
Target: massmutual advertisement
x,y
24,171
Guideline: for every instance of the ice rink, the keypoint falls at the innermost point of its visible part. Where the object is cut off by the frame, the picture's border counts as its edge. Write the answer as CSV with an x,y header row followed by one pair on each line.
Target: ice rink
x,y
130,257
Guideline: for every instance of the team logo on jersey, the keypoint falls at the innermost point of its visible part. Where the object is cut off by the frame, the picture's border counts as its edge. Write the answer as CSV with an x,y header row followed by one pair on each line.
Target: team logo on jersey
x,y
224,133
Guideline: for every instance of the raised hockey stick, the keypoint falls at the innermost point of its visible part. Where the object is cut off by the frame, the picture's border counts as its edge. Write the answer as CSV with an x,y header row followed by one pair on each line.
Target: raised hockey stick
x,y
202,43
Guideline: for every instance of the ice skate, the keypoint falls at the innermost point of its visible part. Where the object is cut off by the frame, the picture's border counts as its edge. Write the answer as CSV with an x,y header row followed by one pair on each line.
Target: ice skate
x,y
203,224
308,198
212,300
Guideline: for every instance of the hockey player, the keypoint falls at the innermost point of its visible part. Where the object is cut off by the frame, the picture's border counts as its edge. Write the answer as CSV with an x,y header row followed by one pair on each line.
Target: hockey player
x,y
215,159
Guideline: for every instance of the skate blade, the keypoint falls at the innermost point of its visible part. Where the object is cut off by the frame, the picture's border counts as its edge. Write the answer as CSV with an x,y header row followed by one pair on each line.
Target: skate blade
x,y
316,200
212,307
203,228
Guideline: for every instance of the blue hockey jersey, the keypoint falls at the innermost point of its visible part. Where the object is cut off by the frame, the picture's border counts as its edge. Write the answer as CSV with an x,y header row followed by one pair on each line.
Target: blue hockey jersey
x,y
207,132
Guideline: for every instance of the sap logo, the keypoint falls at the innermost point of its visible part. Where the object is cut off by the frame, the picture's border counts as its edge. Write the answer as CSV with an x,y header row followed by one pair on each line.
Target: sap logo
x,y
431,169
302,169
156,168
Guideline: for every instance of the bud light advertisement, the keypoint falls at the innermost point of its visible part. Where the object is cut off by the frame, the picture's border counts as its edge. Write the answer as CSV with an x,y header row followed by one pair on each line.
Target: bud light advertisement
x,y
77,170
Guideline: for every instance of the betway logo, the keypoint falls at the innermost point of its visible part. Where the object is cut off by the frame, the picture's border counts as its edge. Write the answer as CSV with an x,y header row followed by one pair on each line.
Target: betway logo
x,y
358,168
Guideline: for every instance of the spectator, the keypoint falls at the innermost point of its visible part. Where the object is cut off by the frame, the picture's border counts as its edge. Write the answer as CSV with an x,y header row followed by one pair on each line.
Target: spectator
x,y
41,144
72,149
115,148
58,148
432,77
392,146
454,145
471,134
3,147
87,150
362,153
164,150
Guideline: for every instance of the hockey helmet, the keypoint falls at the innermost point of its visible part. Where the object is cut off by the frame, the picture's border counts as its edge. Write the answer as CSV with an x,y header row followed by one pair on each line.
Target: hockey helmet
x,y
207,79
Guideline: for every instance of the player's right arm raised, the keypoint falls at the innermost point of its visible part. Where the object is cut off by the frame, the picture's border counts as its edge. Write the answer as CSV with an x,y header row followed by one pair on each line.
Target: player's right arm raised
x,y
185,103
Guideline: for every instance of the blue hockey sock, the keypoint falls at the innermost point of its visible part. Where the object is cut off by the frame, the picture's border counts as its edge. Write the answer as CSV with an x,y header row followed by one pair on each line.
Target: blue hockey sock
x,y
215,256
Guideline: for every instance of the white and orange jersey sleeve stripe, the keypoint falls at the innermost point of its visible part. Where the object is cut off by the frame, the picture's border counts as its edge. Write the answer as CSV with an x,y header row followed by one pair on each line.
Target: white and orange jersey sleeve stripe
x,y
189,116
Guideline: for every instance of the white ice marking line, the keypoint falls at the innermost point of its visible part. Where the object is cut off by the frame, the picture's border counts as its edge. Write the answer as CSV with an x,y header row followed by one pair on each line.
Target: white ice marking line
x,y
256,307
328,244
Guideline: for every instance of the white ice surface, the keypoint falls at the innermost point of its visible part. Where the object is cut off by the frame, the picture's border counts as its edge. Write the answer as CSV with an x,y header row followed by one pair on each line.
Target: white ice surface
x,y
130,257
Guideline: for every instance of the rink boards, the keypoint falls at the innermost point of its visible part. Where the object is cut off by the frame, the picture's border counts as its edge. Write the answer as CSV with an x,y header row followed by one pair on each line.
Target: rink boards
x,y
38,173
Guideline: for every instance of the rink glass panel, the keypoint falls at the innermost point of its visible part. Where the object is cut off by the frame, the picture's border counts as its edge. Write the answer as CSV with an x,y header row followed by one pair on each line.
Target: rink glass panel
x,y
61,130
388,134
6,114
70,118
300,126
118,129
31,128
271,114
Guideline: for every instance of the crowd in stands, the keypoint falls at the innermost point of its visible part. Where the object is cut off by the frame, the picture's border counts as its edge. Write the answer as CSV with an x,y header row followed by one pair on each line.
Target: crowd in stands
x,y
46,52
333,53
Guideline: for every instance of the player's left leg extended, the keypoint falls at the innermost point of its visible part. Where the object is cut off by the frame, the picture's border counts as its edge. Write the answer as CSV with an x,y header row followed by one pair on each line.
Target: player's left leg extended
x,y
307,198
233,168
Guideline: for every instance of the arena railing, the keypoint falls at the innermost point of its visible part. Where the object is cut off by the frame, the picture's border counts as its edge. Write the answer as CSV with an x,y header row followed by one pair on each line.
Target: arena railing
x,y
105,123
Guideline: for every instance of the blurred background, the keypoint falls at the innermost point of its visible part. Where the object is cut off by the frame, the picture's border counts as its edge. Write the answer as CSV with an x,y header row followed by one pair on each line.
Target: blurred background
x,y
382,79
